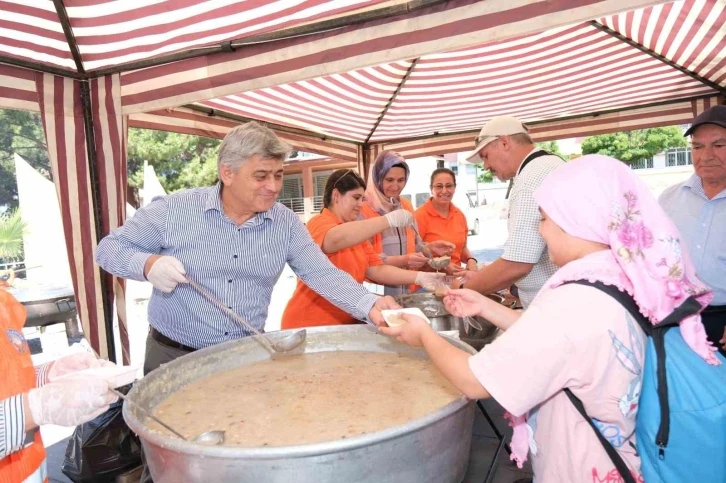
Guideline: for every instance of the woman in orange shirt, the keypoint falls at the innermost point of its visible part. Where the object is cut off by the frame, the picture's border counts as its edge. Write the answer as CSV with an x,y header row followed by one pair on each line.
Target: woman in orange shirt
x,y
344,239
398,247
32,396
440,219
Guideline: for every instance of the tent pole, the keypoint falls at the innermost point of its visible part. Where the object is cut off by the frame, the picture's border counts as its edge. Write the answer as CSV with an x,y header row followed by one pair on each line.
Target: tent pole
x,y
95,181
393,98
106,288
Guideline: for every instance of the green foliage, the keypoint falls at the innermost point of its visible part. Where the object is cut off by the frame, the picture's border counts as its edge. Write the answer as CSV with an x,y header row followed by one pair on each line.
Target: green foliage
x,y
485,176
20,132
180,161
552,147
637,145
12,228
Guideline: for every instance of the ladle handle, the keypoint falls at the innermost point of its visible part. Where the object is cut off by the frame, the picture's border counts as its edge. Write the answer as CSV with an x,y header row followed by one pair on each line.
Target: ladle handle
x,y
229,312
148,414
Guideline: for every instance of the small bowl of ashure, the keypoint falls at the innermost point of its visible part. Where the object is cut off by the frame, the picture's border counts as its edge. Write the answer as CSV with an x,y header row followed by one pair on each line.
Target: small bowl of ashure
x,y
393,316
440,263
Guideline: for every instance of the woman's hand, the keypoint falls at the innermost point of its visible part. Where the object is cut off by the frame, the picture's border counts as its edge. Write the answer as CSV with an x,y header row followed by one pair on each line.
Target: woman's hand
x,y
441,248
464,274
74,363
411,333
472,265
414,261
464,302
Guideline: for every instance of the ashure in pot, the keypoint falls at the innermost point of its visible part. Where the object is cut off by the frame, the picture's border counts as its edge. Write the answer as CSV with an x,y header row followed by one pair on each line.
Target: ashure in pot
x,y
433,448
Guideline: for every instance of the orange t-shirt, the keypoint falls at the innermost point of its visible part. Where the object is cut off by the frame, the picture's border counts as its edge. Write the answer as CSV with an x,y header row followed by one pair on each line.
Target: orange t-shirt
x,y
433,226
306,308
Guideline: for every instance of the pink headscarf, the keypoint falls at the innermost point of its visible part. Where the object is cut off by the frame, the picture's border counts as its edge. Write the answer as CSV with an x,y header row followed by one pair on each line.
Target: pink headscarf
x,y
598,198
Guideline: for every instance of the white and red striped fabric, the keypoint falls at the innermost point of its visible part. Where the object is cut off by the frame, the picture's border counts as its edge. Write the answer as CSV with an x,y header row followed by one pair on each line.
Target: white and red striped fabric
x,y
661,115
111,32
187,121
62,115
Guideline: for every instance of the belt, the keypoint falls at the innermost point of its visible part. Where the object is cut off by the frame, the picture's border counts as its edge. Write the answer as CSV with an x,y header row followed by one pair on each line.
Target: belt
x,y
162,339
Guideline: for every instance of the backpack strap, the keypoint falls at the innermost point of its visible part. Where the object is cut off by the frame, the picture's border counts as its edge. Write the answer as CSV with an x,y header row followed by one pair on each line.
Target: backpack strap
x,y
615,457
689,307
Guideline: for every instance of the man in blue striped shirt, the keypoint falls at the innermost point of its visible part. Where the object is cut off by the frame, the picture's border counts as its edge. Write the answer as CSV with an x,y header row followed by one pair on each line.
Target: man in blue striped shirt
x,y
698,208
233,239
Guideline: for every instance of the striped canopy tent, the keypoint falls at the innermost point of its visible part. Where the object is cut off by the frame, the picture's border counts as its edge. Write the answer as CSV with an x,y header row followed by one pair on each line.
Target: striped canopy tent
x,y
341,78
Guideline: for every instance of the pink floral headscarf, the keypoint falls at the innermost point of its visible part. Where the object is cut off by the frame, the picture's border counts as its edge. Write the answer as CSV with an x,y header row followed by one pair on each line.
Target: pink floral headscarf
x,y
598,198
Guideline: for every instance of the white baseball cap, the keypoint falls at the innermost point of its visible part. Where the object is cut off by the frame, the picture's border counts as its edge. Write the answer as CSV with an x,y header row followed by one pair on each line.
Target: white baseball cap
x,y
497,126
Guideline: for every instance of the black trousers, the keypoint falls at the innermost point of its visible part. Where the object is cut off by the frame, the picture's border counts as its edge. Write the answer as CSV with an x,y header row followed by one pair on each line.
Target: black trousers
x,y
714,321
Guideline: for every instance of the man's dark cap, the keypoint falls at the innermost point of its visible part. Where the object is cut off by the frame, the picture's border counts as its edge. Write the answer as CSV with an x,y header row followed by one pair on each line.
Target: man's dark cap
x,y
713,115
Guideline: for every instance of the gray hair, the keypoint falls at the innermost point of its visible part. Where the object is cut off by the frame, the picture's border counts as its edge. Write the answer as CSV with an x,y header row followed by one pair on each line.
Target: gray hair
x,y
521,138
248,140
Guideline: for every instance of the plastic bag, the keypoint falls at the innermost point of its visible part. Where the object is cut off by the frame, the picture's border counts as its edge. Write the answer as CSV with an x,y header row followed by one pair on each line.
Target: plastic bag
x,y
102,448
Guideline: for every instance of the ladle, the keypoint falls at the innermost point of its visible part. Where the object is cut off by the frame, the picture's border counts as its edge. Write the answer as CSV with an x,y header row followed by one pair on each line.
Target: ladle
x,y
285,345
424,249
211,438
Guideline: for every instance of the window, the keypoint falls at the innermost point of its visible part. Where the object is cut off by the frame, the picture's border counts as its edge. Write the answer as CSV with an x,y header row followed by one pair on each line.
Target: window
x,y
455,169
291,186
678,157
471,169
642,164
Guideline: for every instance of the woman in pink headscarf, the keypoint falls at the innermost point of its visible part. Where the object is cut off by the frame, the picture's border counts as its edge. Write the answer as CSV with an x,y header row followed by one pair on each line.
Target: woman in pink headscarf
x,y
602,224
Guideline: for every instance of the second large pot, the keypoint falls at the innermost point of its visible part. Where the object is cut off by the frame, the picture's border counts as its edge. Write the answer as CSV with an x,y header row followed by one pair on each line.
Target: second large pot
x,y
442,320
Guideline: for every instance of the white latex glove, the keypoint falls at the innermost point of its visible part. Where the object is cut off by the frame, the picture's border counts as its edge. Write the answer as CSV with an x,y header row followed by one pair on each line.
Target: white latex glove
x,y
74,363
166,273
429,280
399,218
70,401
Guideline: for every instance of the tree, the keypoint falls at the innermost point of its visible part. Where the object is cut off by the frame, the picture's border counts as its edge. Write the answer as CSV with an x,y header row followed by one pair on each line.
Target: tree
x,y
180,161
20,132
552,147
485,175
12,228
632,146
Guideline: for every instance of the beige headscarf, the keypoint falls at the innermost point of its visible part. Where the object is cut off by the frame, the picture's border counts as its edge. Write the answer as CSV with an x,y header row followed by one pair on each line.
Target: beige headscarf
x,y
374,191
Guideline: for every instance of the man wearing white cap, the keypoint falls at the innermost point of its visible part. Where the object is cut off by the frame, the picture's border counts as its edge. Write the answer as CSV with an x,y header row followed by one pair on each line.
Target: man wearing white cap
x,y
506,149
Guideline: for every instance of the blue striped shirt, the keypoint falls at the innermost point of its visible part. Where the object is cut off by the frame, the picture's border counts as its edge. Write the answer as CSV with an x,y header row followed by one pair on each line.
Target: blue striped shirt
x,y
12,425
238,264
702,223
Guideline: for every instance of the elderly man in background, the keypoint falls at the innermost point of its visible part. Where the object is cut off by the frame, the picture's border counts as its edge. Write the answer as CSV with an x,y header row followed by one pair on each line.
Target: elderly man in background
x,y
698,208
508,152
232,238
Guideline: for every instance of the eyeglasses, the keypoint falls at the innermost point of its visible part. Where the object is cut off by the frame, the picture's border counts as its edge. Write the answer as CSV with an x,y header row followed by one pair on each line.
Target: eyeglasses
x,y
439,187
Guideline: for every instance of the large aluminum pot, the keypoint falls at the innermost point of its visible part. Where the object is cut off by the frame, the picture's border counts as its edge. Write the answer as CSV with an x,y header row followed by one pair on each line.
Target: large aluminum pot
x,y
442,320
432,449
